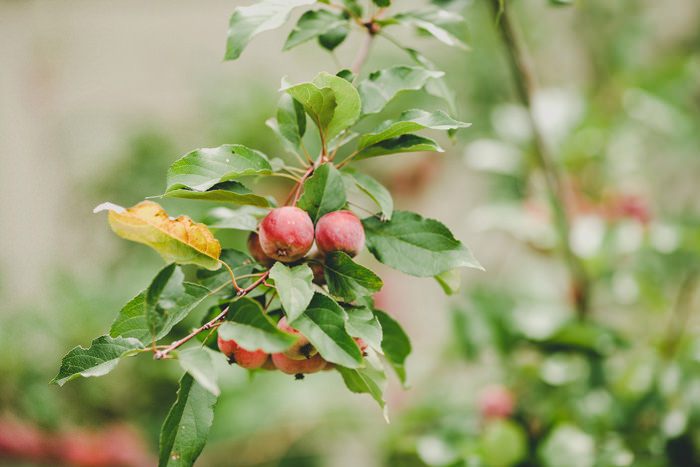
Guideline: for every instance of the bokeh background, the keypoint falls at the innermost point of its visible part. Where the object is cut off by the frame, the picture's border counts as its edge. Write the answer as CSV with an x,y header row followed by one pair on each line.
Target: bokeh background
x,y
97,98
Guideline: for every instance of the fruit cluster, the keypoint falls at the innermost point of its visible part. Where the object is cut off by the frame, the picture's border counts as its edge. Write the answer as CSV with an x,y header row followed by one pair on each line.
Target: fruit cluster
x,y
287,234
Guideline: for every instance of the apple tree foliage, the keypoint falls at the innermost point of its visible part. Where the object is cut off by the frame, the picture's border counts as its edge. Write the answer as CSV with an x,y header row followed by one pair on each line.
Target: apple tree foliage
x,y
323,124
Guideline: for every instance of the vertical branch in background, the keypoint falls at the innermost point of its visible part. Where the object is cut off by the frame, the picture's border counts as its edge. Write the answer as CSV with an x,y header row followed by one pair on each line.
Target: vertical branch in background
x,y
680,313
362,54
543,158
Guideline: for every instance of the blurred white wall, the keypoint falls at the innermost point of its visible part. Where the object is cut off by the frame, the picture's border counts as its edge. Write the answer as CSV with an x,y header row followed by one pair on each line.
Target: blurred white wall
x,y
74,76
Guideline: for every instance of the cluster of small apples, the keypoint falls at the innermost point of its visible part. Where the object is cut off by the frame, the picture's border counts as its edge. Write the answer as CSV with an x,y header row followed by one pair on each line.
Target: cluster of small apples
x,y
300,359
287,234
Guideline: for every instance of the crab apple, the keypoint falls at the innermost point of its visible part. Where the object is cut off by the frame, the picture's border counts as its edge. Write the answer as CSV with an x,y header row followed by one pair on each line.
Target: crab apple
x,y
257,252
298,367
340,231
302,348
286,234
496,402
249,359
268,365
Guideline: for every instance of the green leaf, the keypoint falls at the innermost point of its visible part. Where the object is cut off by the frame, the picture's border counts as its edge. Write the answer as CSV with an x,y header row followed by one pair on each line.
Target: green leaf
x,y
203,168
294,287
248,21
168,300
370,380
199,362
353,6
224,192
131,320
416,246
381,86
382,3
291,119
450,281
395,344
185,429
364,324
244,218
323,323
99,359
319,103
435,87
448,27
177,240
312,24
410,121
401,144
346,74
331,102
324,192
252,329
334,38
347,279
372,188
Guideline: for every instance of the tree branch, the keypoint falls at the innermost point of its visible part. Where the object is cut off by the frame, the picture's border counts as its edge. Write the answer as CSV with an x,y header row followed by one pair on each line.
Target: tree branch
x,y
526,87
358,63
163,353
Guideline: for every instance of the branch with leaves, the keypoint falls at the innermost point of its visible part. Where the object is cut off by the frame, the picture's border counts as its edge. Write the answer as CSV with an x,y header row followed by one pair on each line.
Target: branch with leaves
x,y
281,305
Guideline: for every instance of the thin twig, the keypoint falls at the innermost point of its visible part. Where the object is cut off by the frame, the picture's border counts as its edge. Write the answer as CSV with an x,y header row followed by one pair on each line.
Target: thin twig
x,y
161,354
283,175
298,156
309,159
525,84
252,286
297,192
345,161
294,170
233,276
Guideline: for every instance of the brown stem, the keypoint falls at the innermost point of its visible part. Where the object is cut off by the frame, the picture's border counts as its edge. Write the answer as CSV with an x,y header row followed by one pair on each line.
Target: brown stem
x,y
297,191
161,354
347,160
543,158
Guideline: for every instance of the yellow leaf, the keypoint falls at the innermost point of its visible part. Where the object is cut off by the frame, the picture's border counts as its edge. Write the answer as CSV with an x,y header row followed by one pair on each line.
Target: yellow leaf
x,y
179,240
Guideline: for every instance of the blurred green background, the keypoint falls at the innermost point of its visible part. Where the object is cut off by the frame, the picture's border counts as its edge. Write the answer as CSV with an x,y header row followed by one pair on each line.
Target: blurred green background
x,y
97,98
